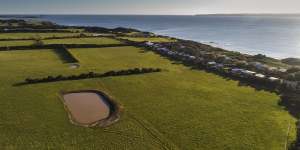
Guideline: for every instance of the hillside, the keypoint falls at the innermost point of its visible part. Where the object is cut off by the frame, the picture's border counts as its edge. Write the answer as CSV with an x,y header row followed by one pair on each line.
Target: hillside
x,y
292,61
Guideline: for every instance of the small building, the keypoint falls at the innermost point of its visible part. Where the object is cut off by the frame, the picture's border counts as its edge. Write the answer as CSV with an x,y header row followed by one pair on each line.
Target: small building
x,y
260,76
259,65
192,57
236,70
171,53
223,59
219,66
272,68
149,43
248,73
211,63
273,79
283,70
156,45
97,34
163,49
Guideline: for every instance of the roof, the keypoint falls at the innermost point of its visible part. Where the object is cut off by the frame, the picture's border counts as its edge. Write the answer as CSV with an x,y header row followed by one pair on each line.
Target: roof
x,y
211,63
162,49
260,75
272,68
273,78
237,69
248,72
282,70
149,43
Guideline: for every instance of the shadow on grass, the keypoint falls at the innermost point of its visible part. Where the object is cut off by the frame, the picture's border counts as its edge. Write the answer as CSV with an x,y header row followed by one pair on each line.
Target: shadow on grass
x,y
65,55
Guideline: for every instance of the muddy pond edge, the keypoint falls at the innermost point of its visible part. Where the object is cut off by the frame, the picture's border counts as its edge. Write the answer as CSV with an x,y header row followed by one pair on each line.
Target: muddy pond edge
x,y
115,109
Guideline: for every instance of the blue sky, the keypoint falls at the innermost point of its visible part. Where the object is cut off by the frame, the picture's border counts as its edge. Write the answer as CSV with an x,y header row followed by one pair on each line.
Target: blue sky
x,y
184,7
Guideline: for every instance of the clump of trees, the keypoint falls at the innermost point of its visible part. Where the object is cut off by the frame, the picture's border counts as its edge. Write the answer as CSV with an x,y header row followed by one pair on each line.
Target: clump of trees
x,y
38,41
294,76
92,75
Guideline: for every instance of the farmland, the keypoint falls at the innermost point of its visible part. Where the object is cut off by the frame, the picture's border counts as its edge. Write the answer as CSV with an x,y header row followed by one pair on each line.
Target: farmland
x,y
34,35
151,39
178,108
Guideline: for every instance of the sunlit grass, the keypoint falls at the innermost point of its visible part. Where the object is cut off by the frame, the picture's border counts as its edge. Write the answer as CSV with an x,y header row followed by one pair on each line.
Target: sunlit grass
x,y
178,108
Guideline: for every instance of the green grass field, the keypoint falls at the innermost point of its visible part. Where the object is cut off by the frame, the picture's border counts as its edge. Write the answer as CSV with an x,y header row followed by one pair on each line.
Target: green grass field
x,y
178,108
151,39
102,40
34,35
98,40
16,43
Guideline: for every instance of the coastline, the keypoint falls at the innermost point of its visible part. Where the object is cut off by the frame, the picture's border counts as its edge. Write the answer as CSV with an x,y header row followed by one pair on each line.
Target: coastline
x,y
250,34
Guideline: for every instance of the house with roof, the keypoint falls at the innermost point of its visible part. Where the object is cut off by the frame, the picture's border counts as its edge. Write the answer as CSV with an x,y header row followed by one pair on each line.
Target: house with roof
x,y
149,43
236,71
273,79
260,76
211,63
248,73
259,65
282,70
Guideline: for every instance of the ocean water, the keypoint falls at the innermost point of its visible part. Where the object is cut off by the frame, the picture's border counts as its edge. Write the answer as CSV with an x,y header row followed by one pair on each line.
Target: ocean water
x,y
273,35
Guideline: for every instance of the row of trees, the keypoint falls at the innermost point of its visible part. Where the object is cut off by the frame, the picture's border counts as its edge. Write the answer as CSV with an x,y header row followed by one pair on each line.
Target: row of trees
x,y
37,37
92,75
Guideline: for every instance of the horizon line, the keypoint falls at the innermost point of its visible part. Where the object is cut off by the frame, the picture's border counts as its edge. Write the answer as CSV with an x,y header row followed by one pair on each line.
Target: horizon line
x,y
19,14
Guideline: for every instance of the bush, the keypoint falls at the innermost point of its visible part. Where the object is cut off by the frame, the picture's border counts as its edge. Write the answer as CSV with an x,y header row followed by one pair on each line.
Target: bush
x,y
93,75
158,70
38,43
28,80
50,78
135,70
82,35
59,77
110,73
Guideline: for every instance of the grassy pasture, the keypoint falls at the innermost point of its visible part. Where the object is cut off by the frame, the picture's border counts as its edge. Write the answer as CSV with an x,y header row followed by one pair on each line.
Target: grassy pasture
x,y
16,43
34,35
178,108
151,39
97,40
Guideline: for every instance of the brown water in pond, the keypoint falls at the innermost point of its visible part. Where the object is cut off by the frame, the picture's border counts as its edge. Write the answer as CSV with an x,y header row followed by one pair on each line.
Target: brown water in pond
x,y
87,107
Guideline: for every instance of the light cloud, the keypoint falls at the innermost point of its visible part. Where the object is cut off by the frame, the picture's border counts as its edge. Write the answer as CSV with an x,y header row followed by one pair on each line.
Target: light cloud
x,y
148,7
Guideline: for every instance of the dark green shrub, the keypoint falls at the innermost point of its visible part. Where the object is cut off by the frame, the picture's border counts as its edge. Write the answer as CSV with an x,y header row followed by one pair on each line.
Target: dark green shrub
x,y
93,75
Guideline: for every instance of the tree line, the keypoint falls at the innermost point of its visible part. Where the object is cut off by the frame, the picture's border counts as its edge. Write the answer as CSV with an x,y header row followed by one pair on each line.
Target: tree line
x,y
134,71
40,45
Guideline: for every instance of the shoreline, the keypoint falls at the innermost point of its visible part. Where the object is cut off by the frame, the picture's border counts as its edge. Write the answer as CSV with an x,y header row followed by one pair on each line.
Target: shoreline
x,y
229,46
249,44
